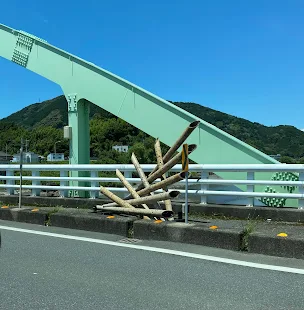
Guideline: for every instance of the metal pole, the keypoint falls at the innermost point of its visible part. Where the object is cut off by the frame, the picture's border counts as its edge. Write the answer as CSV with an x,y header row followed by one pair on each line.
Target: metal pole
x,y
186,199
21,160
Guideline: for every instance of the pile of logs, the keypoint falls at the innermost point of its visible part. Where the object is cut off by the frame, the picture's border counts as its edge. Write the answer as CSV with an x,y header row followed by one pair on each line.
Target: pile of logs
x,y
143,200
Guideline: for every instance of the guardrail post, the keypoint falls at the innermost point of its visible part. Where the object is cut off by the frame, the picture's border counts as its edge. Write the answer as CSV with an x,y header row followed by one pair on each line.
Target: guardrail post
x,y
36,191
250,188
94,194
10,190
301,191
204,186
64,192
127,174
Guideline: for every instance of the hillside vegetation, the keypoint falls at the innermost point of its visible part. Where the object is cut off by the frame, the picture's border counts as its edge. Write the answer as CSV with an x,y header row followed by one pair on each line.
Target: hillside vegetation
x,y
41,123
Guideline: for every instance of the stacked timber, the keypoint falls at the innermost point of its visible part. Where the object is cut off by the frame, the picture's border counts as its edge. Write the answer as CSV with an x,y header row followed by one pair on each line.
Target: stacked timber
x,y
140,198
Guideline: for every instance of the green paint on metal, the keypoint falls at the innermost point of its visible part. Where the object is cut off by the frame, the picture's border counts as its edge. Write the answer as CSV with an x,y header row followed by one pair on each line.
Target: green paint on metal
x,y
280,176
78,112
155,116
31,36
22,49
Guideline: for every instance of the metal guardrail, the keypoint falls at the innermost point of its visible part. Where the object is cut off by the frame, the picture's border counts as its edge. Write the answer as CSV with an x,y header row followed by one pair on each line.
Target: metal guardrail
x,y
202,179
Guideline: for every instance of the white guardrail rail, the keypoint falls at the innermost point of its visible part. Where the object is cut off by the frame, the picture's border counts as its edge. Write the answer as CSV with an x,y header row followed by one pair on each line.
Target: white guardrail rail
x,y
41,179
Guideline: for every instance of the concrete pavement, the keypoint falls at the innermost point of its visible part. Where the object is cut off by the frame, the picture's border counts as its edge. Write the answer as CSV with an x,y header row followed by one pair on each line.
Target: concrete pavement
x,y
53,272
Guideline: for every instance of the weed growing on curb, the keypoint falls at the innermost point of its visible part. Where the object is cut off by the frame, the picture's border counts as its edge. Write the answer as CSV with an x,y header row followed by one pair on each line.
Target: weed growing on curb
x,y
130,232
49,215
247,230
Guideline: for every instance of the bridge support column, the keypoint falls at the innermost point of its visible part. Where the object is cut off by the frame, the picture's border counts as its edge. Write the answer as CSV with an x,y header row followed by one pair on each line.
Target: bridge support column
x,y
78,113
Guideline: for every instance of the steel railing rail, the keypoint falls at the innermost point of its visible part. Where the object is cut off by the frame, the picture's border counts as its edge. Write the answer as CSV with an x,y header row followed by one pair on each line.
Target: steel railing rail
x,y
150,167
200,172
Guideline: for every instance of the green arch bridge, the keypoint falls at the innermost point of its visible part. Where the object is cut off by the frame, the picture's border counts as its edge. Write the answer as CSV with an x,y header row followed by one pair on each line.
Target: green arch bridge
x,y
82,81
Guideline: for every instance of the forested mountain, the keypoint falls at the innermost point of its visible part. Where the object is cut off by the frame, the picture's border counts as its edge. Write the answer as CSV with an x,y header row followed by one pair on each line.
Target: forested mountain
x,y
41,123
285,140
52,113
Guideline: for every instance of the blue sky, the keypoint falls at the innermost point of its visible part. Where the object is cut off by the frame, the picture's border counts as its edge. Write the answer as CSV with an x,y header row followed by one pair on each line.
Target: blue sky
x,y
240,57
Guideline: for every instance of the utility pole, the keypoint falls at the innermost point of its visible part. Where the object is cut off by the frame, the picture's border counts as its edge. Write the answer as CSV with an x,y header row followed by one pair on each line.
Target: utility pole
x,y
55,146
26,145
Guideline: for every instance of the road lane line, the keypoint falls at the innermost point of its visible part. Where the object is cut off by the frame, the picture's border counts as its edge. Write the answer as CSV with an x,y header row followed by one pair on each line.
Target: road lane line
x,y
159,250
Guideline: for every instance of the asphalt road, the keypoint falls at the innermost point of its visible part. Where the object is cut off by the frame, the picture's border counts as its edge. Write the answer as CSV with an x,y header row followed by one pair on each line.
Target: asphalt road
x,y
50,272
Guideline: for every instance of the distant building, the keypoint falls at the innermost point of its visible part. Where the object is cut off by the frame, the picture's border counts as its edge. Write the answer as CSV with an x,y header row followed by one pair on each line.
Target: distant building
x,y
28,158
277,157
55,157
121,148
42,158
5,158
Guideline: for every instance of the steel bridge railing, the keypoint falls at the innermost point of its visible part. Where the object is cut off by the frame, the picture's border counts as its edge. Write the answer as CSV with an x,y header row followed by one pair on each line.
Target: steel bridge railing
x,y
44,177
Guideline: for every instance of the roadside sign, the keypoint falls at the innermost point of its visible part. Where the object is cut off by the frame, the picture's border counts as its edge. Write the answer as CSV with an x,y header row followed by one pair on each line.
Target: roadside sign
x,y
185,159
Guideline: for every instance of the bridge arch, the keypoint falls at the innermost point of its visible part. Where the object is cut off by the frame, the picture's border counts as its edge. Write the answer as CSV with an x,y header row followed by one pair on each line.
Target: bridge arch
x,y
81,81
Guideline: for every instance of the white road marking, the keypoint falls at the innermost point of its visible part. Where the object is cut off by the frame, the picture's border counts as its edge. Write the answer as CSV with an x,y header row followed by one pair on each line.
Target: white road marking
x,y
159,250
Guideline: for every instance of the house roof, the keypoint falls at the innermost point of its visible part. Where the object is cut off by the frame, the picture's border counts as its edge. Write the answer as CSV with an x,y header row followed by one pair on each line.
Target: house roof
x,y
4,154
25,154
56,154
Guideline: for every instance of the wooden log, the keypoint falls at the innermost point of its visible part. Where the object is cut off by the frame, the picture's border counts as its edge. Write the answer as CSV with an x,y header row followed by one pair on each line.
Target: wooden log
x,y
169,181
146,199
136,211
160,163
178,143
115,198
129,187
172,162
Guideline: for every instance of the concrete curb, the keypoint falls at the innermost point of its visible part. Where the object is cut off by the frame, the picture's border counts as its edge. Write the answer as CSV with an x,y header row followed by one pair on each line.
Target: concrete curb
x,y
226,234
74,219
119,225
199,234
24,215
265,240
283,247
240,212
